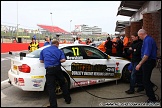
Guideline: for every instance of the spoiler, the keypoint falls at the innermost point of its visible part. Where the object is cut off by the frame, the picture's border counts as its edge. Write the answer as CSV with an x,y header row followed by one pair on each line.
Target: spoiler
x,y
21,54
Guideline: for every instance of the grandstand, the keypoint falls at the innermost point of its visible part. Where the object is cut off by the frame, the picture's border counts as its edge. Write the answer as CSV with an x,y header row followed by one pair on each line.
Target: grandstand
x,y
52,29
10,33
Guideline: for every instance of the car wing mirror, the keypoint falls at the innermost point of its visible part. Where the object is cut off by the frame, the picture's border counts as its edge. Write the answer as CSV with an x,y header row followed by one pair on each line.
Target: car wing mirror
x,y
108,57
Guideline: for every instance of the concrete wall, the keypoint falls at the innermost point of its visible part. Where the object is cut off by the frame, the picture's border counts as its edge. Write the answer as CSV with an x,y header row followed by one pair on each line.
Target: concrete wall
x,y
150,15
148,7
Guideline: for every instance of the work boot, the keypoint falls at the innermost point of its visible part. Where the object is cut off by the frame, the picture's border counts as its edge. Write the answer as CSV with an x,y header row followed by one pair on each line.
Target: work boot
x,y
129,92
140,89
68,101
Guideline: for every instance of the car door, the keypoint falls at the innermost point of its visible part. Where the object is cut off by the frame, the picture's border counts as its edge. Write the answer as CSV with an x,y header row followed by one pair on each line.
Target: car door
x,y
104,68
75,65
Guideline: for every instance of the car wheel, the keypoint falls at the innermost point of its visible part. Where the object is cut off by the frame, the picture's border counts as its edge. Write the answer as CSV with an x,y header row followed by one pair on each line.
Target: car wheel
x,y
58,89
126,74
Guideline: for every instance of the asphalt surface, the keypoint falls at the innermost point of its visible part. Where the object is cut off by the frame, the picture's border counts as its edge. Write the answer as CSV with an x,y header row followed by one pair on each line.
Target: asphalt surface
x,y
105,93
15,97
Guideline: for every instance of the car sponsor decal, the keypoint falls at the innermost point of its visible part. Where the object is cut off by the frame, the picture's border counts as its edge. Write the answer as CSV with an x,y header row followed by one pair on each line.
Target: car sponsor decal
x,y
37,76
75,55
88,82
74,58
117,67
117,70
79,70
15,80
100,80
15,67
37,83
81,83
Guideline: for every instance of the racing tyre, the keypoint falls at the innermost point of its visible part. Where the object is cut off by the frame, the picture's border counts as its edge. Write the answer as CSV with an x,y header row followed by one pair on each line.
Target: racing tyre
x,y
126,74
58,90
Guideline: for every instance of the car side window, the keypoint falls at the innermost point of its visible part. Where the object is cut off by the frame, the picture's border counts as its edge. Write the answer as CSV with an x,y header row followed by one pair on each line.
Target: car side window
x,y
93,53
72,53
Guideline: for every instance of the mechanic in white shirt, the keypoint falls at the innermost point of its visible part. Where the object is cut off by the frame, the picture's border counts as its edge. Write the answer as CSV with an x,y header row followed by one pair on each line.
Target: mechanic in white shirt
x,y
77,41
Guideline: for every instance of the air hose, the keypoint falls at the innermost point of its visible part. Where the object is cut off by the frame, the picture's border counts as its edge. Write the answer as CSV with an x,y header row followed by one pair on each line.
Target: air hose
x,y
141,94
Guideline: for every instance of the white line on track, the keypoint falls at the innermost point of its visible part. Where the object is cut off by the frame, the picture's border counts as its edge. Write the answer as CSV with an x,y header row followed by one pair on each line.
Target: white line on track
x,y
2,94
4,81
2,59
14,51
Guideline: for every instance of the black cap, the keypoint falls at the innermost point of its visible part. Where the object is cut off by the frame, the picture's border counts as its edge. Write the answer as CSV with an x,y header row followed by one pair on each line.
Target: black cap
x,y
33,38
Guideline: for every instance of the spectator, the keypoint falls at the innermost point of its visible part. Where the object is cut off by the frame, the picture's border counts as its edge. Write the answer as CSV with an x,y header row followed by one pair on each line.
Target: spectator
x,y
74,39
130,67
64,41
88,41
34,36
108,46
77,41
33,45
148,62
122,37
48,41
135,50
80,41
125,41
92,39
14,41
119,47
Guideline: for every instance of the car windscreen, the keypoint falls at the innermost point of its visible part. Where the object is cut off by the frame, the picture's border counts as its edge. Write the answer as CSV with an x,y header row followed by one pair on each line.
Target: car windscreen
x,y
34,54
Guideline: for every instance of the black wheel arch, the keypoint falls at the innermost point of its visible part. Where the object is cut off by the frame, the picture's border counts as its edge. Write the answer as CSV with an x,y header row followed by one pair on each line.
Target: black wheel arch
x,y
126,74
67,78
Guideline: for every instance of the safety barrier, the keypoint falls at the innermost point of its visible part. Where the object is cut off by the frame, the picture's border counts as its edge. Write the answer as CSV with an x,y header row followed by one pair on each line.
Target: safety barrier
x,y
6,47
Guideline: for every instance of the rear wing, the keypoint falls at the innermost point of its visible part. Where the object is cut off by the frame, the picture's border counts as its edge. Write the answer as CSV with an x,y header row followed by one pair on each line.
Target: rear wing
x,y
21,54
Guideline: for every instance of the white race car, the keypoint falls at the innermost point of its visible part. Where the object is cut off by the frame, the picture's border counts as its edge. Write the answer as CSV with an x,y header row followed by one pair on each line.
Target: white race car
x,y
85,65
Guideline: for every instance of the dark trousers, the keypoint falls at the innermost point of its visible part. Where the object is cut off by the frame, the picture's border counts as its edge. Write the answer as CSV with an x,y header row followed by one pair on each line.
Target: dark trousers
x,y
136,77
119,53
139,76
109,52
53,74
147,68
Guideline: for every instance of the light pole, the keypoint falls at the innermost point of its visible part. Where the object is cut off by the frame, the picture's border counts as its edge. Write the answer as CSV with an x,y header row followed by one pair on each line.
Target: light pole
x,y
17,22
52,23
70,26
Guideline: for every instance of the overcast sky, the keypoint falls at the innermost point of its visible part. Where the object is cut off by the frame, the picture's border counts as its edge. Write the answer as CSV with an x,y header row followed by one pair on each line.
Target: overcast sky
x,y
92,13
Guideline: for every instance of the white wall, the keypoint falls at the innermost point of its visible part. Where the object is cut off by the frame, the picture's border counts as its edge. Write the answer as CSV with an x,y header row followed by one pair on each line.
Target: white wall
x,y
149,6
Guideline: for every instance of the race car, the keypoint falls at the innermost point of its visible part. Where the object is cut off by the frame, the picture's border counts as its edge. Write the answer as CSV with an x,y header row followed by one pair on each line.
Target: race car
x,y
85,65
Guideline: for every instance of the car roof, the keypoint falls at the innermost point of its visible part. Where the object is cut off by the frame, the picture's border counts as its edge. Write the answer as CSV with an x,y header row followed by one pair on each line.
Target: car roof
x,y
63,45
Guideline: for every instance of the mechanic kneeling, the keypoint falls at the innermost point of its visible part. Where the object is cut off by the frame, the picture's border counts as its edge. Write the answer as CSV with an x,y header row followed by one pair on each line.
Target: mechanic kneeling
x,y
52,57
